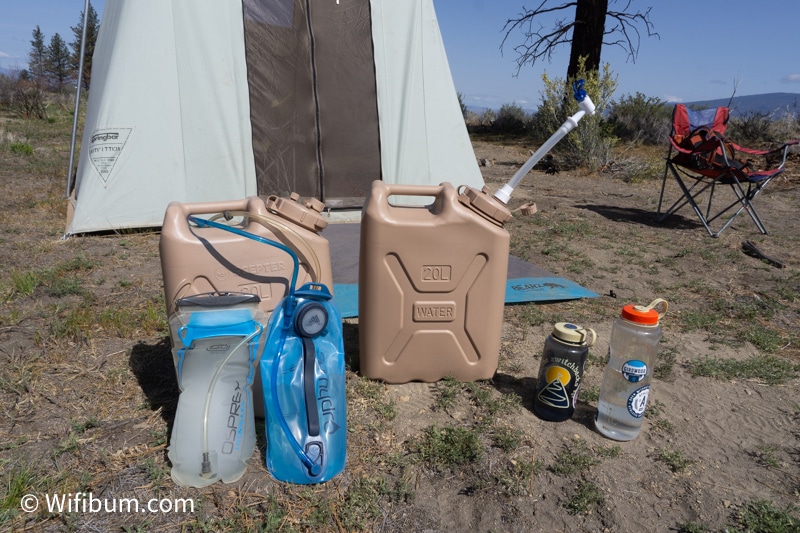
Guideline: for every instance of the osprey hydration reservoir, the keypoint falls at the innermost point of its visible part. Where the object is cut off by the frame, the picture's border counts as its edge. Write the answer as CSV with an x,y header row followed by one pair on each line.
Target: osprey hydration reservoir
x,y
303,373
216,339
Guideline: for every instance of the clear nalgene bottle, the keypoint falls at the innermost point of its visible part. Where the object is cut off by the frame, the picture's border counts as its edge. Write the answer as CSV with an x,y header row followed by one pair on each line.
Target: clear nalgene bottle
x,y
626,380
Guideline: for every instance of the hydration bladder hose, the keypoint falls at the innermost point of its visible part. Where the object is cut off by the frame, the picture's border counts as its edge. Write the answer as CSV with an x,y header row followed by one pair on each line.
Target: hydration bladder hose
x,y
289,304
205,468
586,107
310,256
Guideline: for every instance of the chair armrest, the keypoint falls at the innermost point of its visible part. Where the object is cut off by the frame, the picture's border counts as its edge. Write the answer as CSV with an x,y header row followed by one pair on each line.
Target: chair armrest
x,y
782,148
785,146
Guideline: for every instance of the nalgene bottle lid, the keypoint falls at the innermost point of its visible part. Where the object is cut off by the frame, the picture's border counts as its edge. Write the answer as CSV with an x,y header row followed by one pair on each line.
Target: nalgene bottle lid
x,y
572,334
647,316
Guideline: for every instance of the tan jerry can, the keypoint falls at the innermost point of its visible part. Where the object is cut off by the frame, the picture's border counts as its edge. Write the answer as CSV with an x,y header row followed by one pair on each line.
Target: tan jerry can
x,y
432,284
197,260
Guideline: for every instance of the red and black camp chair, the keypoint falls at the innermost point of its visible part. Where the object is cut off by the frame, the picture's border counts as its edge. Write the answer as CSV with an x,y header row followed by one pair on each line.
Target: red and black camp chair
x,y
700,158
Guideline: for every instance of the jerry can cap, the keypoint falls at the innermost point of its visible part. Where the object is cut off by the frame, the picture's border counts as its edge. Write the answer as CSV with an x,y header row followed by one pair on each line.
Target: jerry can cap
x,y
645,315
573,334
307,215
485,205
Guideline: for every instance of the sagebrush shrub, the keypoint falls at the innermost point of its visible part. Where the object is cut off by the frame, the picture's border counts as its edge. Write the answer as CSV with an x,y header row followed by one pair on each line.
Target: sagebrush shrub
x,y
591,143
750,127
641,119
510,119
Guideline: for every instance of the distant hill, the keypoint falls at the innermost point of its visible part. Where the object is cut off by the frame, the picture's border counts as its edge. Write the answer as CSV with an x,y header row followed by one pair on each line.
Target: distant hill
x,y
9,71
774,105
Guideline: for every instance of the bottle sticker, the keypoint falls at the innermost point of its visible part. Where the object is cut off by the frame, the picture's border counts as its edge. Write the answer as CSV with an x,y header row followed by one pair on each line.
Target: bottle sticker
x,y
638,401
634,370
555,392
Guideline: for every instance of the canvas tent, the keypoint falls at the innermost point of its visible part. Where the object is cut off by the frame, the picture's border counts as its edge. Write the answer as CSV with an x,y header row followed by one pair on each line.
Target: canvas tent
x,y
207,100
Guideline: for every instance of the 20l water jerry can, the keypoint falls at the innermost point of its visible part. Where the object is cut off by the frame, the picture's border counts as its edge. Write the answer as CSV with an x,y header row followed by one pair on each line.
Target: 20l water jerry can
x,y
217,339
197,260
432,282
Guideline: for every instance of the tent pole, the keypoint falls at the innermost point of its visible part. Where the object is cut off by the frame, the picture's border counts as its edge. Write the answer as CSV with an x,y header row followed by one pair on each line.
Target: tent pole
x,y
77,98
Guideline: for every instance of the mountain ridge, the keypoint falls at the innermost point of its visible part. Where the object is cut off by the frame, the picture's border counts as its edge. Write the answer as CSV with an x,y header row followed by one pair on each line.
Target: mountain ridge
x,y
773,105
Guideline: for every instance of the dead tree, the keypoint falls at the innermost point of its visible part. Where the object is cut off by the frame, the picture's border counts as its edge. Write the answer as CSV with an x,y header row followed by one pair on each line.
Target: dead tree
x,y
594,25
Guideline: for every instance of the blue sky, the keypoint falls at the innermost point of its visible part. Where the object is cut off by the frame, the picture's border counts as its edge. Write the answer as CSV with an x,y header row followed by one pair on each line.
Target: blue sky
x,y
706,47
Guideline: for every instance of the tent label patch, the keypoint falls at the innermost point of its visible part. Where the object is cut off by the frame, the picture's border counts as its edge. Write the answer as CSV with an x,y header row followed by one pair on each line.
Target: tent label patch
x,y
105,147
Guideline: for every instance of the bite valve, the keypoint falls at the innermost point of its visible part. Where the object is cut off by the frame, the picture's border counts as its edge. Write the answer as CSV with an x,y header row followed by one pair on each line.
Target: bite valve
x,y
205,466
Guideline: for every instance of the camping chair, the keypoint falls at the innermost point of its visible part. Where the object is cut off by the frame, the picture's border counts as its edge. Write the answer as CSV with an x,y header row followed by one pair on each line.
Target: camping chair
x,y
700,158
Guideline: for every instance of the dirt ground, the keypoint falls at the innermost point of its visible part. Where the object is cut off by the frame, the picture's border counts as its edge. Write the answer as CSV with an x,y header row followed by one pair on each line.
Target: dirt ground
x,y
88,392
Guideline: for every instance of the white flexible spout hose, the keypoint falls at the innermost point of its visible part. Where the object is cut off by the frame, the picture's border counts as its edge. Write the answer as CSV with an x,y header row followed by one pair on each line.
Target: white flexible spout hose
x,y
586,107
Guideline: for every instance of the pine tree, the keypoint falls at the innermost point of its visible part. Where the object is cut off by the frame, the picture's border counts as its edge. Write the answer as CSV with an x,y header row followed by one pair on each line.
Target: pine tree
x,y
92,29
57,62
37,58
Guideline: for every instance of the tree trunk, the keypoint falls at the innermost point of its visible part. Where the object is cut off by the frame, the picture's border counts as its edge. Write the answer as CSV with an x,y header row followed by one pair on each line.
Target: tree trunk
x,y
587,37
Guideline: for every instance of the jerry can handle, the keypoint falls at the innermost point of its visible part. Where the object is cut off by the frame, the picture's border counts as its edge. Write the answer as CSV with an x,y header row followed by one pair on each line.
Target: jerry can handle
x,y
404,189
443,195
177,213
208,208
413,190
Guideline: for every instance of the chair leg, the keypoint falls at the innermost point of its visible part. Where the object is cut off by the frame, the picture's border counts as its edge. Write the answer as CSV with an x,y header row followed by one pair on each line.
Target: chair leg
x,y
688,197
663,185
730,220
746,198
680,202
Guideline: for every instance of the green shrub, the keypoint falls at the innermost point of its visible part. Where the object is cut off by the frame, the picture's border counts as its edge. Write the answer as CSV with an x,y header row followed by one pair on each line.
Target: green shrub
x,y
510,119
450,445
786,126
21,148
752,127
641,118
462,105
762,515
592,141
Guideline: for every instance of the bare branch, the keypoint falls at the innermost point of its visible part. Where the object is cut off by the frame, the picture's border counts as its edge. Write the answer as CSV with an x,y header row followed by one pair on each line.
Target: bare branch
x,y
627,24
537,44
736,82
622,28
